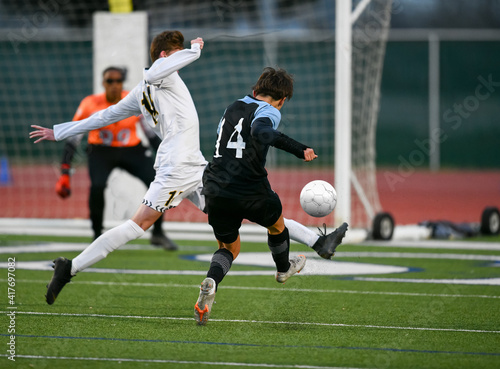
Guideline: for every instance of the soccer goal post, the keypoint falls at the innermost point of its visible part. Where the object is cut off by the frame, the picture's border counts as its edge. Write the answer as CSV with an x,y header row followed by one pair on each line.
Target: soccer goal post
x,y
121,39
360,39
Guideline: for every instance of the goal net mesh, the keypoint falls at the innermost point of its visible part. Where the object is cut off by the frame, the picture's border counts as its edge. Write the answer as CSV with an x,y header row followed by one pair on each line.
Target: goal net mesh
x,y
46,69
369,38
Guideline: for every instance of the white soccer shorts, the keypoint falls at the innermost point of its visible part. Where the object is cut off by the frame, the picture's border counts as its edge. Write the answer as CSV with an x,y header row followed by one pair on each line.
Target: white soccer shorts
x,y
170,187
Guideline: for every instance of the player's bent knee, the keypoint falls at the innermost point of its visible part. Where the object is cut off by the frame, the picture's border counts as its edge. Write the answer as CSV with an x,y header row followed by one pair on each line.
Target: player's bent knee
x,y
227,238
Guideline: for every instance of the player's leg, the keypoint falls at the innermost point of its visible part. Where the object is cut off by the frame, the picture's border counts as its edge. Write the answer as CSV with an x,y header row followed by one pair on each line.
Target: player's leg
x,y
155,199
109,241
278,241
101,161
134,228
301,233
324,244
138,162
223,216
279,244
225,219
267,212
114,238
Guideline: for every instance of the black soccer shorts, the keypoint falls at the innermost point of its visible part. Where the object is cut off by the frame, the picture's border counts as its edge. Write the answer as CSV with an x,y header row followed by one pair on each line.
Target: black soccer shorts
x,y
225,215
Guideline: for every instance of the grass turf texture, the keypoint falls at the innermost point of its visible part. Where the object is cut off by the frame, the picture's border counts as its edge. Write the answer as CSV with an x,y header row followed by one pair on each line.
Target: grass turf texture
x,y
311,321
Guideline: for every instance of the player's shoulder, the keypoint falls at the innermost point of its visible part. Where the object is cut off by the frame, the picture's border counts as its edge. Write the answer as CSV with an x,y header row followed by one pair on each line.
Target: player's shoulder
x,y
256,109
251,101
265,110
259,105
247,103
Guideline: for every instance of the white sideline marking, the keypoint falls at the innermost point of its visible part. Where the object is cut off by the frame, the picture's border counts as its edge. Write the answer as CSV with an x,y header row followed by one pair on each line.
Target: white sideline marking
x,y
314,266
435,244
258,322
70,247
430,244
481,281
416,255
273,289
254,365
45,247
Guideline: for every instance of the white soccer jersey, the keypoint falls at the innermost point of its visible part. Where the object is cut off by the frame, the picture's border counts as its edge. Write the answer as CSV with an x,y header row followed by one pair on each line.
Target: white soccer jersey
x,y
167,106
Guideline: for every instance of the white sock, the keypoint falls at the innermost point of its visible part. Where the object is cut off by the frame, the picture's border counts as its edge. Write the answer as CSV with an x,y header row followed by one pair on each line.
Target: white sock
x,y
300,233
104,244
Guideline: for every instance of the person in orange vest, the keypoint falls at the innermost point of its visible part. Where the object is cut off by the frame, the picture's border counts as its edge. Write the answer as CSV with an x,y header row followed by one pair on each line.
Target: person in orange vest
x,y
118,145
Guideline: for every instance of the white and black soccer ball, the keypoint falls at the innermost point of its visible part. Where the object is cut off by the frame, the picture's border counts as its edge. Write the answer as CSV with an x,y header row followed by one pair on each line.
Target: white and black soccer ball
x,y
318,198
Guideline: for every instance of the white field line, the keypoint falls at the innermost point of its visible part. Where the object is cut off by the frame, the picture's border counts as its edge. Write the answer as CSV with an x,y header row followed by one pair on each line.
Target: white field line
x,y
164,361
416,255
435,244
274,289
475,282
255,322
70,246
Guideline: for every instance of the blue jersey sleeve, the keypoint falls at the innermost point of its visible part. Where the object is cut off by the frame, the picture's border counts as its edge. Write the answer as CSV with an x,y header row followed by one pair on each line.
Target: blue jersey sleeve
x,y
270,112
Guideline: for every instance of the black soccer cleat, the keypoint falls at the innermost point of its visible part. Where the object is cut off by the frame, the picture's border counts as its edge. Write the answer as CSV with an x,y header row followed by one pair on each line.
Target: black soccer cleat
x,y
164,242
62,275
326,244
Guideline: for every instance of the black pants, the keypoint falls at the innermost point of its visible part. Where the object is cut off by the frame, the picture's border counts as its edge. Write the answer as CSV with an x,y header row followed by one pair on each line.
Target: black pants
x,y
136,160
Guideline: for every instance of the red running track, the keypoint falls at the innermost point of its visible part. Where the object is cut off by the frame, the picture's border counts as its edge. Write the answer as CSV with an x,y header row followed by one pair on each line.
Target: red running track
x,y
458,196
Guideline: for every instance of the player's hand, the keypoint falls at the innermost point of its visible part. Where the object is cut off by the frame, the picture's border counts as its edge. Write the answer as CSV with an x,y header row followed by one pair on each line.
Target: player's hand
x,y
309,154
63,187
43,133
198,40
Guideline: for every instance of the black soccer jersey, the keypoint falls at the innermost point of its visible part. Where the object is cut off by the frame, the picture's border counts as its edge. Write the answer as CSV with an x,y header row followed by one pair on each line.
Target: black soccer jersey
x,y
237,169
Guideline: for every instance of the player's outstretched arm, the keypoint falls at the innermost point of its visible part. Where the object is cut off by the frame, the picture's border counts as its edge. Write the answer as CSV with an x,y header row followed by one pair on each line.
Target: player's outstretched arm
x,y
262,130
126,107
43,133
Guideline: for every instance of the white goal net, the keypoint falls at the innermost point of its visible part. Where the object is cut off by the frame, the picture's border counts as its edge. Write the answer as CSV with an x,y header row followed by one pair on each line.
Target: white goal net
x,y
369,37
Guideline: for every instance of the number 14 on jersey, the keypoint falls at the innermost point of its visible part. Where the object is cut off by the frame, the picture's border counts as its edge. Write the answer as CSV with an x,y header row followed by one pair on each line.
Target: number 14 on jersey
x,y
237,144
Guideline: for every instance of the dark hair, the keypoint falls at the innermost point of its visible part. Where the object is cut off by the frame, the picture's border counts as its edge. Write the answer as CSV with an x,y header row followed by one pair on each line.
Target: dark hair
x,y
166,41
122,71
276,83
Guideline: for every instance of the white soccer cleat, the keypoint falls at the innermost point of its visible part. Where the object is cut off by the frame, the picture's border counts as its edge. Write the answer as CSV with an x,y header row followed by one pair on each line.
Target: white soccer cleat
x,y
297,263
203,306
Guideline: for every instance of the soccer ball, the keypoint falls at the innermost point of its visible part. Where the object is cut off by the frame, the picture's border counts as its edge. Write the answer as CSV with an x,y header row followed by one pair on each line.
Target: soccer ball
x,y
318,198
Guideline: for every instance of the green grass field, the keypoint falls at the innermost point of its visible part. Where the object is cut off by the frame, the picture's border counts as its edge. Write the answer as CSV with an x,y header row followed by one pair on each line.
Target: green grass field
x,y
123,320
